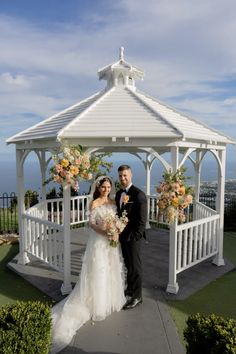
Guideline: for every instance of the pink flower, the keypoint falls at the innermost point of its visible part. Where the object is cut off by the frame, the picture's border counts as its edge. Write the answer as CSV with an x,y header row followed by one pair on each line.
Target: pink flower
x,y
58,168
175,186
188,198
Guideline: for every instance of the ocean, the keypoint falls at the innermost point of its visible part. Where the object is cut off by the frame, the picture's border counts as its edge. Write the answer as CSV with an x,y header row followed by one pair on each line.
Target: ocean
x,y
32,174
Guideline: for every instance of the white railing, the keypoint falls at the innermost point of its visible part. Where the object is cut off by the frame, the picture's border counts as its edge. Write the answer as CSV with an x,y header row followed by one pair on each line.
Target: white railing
x,y
196,241
44,240
37,210
192,242
79,209
152,208
52,210
202,211
43,228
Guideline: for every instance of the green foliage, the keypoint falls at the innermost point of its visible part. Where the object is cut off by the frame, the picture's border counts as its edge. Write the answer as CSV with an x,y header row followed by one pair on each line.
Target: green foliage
x,y
98,163
25,328
31,198
210,335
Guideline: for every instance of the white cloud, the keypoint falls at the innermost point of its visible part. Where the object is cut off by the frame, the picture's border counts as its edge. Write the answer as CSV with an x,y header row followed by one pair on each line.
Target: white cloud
x,y
10,80
186,49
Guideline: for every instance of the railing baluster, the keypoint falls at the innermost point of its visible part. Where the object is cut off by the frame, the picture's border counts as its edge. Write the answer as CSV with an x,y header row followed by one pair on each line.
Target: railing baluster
x,y
179,249
195,229
185,248
190,249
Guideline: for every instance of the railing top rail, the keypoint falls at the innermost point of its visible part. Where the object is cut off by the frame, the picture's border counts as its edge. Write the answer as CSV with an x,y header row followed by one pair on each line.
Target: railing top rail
x,y
85,196
205,207
190,224
43,221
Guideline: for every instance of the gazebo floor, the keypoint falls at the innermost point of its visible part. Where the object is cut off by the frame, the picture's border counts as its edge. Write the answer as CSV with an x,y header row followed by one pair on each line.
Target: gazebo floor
x,y
155,268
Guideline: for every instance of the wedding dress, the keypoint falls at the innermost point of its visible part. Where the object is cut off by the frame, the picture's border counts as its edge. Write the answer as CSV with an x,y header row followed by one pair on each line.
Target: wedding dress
x,y
99,290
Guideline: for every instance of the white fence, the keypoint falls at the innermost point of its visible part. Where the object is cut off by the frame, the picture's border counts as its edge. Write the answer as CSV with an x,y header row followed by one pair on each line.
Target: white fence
x,y
196,241
192,242
44,240
43,228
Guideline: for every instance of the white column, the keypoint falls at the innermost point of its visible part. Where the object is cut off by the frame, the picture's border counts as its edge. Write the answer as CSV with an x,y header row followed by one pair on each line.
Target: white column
x,y
219,260
22,257
197,180
173,286
148,189
43,174
43,167
66,287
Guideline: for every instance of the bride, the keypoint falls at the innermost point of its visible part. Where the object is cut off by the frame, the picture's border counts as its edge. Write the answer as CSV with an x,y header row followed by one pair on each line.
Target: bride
x,y
100,288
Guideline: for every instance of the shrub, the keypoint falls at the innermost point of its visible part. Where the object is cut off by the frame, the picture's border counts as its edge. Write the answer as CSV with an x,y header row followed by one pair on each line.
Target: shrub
x,y
210,335
25,328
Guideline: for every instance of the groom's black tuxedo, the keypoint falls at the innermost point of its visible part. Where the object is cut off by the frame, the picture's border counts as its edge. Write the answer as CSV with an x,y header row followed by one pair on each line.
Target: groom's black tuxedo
x,y
136,208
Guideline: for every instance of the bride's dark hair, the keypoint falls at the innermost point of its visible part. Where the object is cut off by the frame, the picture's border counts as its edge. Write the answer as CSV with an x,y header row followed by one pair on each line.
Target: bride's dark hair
x,y
96,193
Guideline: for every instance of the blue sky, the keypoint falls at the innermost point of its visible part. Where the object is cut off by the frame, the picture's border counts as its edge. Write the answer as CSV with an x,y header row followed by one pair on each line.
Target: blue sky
x,y
51,51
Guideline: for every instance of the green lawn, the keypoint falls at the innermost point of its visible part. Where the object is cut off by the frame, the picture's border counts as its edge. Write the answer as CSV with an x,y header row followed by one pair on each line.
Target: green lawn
x,y
218,297
12,286
8,220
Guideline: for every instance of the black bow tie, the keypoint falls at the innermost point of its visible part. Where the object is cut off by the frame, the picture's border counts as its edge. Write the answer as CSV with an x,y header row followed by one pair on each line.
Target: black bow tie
x,y
124,191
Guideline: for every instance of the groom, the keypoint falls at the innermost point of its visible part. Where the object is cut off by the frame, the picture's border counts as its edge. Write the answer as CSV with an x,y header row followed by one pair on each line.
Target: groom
x,y
133,200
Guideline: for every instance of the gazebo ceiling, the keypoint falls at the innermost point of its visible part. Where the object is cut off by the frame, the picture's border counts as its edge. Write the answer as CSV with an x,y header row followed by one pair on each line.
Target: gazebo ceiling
x,y
121,115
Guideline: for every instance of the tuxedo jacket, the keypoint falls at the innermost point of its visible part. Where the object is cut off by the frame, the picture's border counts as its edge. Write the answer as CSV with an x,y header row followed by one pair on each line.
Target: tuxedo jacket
x,y
136,208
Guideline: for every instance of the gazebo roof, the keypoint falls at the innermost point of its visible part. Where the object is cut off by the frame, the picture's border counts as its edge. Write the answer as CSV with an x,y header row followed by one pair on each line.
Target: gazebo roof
x,y
121,111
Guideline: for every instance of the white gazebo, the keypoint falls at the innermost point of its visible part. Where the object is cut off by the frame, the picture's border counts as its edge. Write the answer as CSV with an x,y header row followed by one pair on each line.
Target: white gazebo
x,y
121,118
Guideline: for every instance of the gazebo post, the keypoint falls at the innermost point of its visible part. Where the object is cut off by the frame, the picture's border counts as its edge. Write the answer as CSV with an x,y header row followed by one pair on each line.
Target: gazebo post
x,y
23,257
148,187
197,169
43,175
66,287
43,167
219,260
173,286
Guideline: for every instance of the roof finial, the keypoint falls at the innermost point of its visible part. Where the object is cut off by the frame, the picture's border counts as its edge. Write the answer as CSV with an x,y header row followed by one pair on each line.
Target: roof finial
x,y
121,53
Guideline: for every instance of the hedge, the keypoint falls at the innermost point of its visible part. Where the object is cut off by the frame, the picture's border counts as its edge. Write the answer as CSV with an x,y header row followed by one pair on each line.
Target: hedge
x,y
210,335
25,328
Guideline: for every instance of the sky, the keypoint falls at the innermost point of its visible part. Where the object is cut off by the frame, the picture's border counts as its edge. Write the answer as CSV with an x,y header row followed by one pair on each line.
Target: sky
x,y
51,50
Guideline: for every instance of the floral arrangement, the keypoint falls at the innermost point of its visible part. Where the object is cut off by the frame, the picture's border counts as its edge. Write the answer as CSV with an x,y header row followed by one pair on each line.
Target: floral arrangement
x,y
174,196
114,225
72,164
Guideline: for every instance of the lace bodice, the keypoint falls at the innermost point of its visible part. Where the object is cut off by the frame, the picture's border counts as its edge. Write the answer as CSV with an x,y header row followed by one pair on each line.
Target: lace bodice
x,y
97,214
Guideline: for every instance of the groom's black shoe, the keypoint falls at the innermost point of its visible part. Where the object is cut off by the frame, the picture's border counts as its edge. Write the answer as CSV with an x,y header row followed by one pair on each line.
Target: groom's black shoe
x,y
130,304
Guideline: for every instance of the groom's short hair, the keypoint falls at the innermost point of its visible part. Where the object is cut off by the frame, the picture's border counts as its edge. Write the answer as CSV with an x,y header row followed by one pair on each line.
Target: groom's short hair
x,y
123,168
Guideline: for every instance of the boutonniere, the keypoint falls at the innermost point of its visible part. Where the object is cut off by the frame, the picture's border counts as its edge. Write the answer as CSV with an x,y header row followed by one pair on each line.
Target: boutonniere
x,y
125,199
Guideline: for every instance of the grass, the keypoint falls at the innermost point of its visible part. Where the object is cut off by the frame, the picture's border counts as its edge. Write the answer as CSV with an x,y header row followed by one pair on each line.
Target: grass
x,y
12,286
218,297
8,220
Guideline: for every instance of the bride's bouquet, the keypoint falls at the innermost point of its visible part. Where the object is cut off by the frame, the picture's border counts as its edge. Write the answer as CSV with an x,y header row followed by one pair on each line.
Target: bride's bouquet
x,y
114,225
